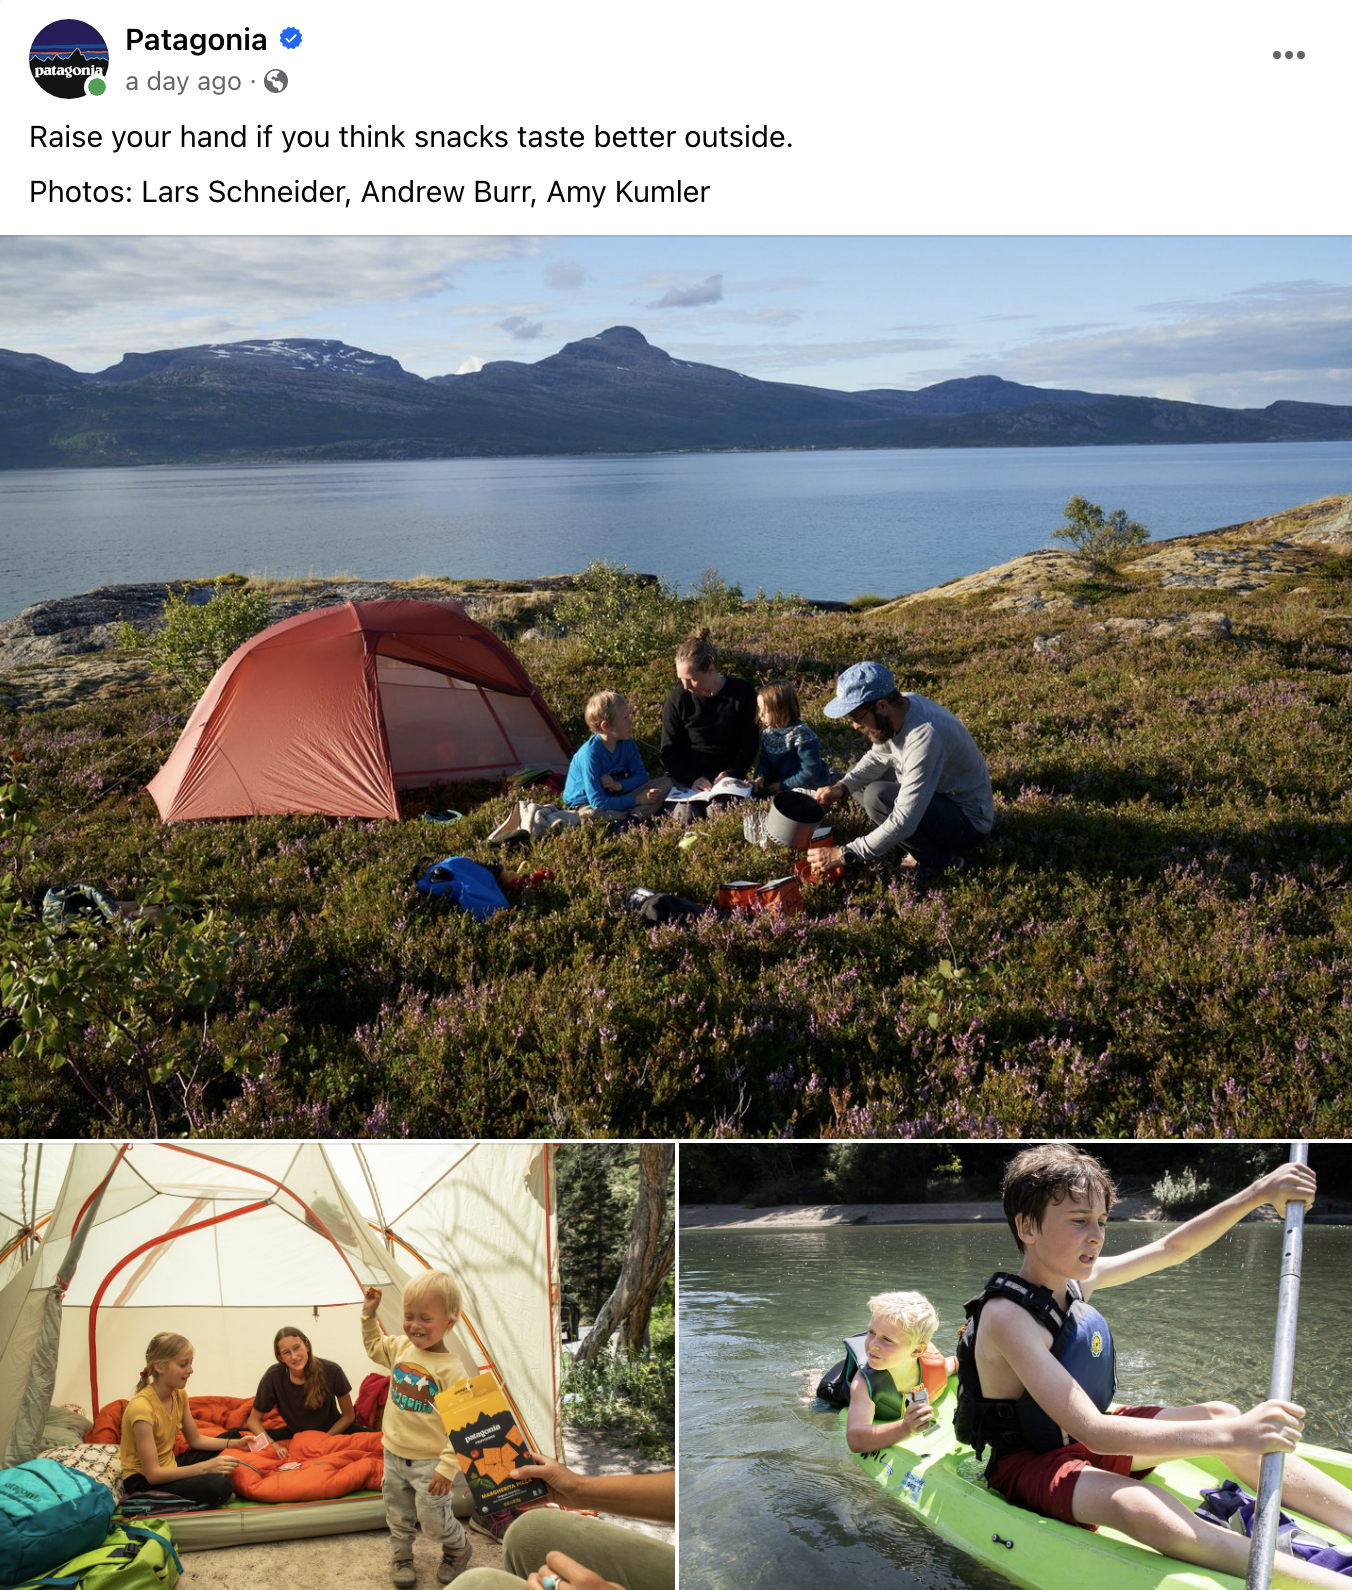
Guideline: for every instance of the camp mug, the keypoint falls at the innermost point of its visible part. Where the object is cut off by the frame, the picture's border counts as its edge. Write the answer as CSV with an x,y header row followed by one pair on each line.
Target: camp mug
x,y
804,868
738,896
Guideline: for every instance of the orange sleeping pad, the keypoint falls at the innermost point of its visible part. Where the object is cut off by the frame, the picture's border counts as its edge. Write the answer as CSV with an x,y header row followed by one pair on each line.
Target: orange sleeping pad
x,y
330,1465
211,1415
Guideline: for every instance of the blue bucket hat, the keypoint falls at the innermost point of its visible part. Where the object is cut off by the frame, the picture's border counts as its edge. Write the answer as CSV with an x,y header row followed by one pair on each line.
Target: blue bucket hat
x,y
857,686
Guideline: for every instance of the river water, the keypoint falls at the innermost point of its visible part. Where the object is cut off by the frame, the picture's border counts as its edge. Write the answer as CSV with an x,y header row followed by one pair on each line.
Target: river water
x,y
769,1495
828,525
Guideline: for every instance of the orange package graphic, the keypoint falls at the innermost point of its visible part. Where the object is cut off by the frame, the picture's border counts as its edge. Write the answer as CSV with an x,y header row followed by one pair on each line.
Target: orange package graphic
x,y
488,1442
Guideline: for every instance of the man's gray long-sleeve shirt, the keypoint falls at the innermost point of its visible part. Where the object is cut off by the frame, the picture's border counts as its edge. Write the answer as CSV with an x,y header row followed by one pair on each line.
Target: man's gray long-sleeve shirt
x,y
932,754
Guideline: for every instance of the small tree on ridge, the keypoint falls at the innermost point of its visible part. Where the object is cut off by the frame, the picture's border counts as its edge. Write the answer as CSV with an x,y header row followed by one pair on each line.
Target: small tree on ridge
x,y
1100,540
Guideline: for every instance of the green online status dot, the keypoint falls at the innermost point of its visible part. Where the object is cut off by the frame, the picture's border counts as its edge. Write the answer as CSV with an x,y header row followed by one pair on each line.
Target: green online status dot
x,y
95,85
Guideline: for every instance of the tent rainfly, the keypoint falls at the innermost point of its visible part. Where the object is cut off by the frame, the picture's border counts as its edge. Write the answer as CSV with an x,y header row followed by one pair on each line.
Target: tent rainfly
x,y
228,1247
334,710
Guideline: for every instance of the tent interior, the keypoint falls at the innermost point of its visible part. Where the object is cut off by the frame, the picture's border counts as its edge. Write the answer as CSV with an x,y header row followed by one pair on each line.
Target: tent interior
x,y
229,1246
459,732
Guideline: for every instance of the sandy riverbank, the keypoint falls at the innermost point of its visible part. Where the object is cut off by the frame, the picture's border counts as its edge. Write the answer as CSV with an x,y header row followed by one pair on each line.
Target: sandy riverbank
x,y
734,1217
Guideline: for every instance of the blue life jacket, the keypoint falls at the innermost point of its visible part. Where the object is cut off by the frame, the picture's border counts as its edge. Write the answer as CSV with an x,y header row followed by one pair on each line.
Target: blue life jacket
x,y
1081,1343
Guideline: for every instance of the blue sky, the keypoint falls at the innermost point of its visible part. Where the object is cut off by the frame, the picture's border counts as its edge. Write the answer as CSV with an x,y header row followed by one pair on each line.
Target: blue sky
x,y
1234,321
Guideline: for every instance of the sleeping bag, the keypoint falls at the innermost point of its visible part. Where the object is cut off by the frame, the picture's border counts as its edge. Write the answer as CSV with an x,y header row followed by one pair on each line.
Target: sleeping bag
x,y
210,1414
330,1465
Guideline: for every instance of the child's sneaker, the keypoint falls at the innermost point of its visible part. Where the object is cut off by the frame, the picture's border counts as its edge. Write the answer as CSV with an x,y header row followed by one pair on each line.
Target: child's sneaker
x,y
454,1561
405,1575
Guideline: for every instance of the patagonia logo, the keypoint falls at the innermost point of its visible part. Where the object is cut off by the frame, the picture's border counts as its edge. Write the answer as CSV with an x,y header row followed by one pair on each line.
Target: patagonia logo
x,y
1096,1343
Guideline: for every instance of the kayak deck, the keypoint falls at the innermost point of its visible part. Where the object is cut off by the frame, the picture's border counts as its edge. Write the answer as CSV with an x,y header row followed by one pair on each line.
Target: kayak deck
x,y
935,1476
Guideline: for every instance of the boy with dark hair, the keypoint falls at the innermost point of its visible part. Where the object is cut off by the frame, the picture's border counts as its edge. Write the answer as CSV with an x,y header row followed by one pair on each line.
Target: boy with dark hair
x,y
1036,1376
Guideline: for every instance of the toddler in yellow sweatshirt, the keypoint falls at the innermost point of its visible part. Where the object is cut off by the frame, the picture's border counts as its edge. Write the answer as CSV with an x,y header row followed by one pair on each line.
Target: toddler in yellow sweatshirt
x,y
420,1464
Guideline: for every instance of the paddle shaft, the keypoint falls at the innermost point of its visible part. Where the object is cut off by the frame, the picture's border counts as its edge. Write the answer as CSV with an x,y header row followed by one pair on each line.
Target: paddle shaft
x,y
1268,1511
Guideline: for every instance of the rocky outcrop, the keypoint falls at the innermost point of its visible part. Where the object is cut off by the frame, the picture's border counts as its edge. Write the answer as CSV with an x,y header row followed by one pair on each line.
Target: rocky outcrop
x,y
1238,559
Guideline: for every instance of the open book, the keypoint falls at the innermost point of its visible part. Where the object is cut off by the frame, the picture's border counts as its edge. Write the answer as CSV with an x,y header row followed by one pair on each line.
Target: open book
x,y
735,787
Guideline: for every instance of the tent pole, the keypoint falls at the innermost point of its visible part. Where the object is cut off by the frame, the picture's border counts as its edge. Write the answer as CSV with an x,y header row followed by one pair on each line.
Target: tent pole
x,y
37,1178
24,1223
375,1198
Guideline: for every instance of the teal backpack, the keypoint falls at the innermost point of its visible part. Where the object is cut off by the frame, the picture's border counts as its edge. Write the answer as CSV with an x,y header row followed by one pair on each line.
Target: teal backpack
x,y
134,1557
47,1514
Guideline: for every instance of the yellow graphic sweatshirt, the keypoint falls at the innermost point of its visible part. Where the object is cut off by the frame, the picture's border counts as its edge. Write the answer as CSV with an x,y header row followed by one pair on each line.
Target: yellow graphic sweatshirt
x,y
412,1427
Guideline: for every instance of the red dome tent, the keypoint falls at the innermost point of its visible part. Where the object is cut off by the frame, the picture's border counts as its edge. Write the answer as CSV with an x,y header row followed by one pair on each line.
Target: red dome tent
x,y
334,710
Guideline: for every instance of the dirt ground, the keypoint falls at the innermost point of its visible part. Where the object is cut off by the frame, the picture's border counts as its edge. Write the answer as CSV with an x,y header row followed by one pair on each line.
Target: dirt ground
x,y
362,1561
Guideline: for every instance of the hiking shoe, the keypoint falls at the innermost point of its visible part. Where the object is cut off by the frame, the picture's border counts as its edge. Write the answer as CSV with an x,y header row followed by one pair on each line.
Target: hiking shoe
x,y
405,1575
454,1561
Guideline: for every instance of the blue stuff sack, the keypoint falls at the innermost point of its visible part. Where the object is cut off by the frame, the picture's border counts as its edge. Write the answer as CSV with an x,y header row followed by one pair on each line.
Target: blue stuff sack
x,y
472,887
49,1513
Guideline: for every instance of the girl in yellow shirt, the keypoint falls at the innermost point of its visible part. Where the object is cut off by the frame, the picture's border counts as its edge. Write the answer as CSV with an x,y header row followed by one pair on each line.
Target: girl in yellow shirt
x,y
151,1422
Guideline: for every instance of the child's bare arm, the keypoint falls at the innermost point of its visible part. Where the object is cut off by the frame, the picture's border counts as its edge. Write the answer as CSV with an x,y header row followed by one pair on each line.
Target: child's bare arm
x,y
862,1435
1021,1342
1278,1187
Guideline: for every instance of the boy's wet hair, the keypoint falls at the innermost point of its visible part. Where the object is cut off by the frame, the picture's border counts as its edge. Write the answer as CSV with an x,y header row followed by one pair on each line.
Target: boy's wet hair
x,y
1047,1174
437,1287
911,1312
603,708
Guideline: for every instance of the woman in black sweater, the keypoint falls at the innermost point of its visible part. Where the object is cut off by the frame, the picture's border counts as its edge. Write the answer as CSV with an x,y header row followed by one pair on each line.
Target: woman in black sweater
x,y
709,728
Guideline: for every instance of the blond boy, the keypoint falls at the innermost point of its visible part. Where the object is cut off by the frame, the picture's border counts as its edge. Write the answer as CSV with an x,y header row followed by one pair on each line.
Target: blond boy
x,y
420,1464
900,1363
607,775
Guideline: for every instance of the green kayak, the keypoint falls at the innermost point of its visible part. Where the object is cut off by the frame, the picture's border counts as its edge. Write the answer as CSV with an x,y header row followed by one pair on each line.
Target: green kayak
x,y
935,1476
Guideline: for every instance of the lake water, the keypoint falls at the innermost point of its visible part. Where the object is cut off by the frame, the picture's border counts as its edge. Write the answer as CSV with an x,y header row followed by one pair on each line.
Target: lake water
x,y
829,525
770,1498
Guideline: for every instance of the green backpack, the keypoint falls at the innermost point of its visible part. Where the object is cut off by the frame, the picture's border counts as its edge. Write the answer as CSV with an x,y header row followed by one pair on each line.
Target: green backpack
x,y
134,1557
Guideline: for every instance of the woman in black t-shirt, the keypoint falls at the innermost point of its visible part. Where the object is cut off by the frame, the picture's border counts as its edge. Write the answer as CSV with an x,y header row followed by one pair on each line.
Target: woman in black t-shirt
x,y
709,727
310,1393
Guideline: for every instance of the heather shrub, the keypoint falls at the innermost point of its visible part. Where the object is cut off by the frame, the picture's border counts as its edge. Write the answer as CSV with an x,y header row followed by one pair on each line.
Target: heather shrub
x,y
616,617
1102,541
193,639
1156,941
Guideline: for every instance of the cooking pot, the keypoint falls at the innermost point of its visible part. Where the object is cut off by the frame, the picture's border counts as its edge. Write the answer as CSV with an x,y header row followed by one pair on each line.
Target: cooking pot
x,y
792,819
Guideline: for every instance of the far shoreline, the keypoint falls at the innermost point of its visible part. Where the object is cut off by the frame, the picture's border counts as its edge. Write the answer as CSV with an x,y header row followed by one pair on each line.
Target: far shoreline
x,y
808,1217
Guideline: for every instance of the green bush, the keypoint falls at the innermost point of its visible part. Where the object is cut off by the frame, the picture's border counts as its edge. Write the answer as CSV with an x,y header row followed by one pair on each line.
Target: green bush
x,y
1102,541
1181,1194
617,617
634,1395
108,1000
712,596
193,639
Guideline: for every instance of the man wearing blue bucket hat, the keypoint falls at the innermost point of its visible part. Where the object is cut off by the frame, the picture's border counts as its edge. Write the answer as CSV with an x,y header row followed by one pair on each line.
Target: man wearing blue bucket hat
x,y
923,783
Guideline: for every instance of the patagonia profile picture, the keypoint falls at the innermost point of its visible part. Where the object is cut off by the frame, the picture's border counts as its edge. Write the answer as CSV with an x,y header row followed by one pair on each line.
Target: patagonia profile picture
x,y
69,59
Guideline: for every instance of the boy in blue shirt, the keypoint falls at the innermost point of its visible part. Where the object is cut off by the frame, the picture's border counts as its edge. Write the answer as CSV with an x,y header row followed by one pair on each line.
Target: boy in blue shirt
x,y
607,774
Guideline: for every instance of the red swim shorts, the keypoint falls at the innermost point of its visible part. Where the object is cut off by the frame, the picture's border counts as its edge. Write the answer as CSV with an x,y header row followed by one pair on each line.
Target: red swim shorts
x,y
1045,1481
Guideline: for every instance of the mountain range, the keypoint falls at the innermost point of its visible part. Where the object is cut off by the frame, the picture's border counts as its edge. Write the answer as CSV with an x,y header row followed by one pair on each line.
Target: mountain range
x,y
301,398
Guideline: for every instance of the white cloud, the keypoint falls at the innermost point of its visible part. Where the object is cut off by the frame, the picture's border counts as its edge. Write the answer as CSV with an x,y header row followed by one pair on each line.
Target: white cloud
x,y
564,274
86,300
709,291
1277,339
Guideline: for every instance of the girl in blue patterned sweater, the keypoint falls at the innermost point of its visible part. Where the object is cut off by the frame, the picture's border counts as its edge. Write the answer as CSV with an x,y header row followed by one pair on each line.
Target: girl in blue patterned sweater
x,y
790,753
